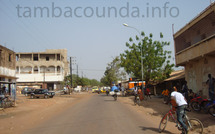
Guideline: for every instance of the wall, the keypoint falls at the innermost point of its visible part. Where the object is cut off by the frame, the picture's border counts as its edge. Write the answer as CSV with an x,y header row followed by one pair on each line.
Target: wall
x,y
49,77
196,73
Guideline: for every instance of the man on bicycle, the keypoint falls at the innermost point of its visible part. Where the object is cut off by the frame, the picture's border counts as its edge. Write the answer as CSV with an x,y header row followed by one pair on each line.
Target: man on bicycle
x,y
181,105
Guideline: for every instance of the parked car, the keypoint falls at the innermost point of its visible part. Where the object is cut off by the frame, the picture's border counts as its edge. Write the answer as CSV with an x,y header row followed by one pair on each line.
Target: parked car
x,y
42,93
27,91
95,89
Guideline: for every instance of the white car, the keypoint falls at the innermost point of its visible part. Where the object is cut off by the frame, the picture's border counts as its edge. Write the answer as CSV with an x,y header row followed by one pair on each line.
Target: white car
x,y
77,89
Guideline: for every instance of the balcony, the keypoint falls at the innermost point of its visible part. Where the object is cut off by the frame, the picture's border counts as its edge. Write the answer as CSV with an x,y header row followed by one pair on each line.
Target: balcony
x,y
196,51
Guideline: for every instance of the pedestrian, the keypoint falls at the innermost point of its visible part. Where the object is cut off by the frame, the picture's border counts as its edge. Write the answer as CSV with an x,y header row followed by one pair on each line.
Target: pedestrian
x,y
140,93
135,92
148,93
210,83
123,90
185,90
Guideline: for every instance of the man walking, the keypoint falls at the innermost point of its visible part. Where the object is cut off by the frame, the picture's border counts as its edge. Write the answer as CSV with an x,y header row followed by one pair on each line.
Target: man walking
x,y
210,83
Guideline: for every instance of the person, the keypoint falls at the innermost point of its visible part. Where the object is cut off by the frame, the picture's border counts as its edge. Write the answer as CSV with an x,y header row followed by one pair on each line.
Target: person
x,y
148,92
114,87
210,83
140,93
135,93
123,90
165,94
185,90
175,89
4,90
191,95
181,105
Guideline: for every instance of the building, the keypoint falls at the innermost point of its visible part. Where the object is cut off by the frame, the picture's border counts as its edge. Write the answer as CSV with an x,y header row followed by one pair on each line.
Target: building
x,y
195,49
7,71
42,69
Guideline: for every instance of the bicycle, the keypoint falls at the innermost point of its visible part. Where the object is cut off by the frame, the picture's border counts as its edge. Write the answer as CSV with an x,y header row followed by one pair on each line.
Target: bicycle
x,y
194,125
137,100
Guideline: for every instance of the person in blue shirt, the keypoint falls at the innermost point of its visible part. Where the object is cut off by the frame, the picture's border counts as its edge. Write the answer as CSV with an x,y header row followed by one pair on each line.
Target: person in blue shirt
x,y
114,87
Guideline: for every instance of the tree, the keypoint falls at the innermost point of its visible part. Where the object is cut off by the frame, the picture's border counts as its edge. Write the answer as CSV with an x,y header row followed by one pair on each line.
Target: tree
x,y
113,72
79,81
156,60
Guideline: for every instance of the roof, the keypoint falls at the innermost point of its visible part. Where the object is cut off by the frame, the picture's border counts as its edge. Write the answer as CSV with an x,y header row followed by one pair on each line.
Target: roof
x,y
176,75
196,19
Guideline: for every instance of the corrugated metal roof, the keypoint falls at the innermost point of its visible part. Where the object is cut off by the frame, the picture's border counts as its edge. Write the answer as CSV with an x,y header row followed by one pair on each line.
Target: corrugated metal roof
x,y
180,74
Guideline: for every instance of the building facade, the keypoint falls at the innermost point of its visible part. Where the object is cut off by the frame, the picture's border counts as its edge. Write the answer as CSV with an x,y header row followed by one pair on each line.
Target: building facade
x,y
42,69
7,71
195,49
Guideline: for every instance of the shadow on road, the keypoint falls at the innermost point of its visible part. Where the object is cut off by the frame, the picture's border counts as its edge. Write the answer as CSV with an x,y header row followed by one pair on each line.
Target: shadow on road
x,y
154,129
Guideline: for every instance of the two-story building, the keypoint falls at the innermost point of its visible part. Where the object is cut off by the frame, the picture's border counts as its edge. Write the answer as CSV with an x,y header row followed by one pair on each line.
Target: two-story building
x,y
195,49
7,71
42,69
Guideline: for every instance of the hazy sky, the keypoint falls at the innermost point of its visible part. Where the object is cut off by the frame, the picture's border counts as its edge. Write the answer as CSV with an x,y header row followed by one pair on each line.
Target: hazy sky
x,y
91,30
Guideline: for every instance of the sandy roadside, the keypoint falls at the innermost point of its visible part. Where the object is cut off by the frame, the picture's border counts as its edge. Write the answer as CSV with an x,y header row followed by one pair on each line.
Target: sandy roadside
x,y
154,109
30,112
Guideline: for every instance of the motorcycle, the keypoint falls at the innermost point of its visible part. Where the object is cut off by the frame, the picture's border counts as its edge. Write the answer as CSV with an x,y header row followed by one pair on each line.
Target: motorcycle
x,y
199,103
115,94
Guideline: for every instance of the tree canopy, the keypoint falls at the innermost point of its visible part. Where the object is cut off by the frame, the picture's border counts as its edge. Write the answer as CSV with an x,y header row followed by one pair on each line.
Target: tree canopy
x,y
113,73
156,60
82,81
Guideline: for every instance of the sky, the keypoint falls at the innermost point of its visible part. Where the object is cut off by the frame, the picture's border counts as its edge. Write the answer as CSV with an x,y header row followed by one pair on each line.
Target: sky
x,y
92,31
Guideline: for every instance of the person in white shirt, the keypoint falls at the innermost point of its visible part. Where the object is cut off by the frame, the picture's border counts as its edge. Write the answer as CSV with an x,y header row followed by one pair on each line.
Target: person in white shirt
x,y
181,105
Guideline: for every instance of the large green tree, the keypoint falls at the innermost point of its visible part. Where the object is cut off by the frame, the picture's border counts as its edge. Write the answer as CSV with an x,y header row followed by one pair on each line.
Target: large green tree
x,y
113,72
156,60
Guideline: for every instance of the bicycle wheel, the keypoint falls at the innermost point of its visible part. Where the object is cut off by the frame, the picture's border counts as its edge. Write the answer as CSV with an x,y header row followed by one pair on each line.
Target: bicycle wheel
x,y
163,123
195,106
212,110
195,126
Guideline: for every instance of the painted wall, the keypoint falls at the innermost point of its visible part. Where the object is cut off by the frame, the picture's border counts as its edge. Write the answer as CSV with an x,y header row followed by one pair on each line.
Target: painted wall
x,y
49,77
196,74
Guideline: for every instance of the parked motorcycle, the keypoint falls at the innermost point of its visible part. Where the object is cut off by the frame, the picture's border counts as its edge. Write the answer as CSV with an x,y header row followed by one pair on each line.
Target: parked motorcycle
x,y
198,104
211,109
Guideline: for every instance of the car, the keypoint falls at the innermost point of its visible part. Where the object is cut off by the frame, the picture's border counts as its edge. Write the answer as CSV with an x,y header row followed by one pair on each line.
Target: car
x,y
27,91
95,89
42,93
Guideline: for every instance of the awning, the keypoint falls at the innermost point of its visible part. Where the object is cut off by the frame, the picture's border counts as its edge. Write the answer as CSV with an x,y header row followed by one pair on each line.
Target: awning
x,y
7,82
176,75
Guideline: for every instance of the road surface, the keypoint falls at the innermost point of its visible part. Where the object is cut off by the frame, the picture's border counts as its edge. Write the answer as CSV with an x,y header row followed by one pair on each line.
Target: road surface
x,y
98,114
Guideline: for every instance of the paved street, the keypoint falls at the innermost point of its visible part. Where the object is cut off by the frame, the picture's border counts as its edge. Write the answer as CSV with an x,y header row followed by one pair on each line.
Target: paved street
x,y
98,114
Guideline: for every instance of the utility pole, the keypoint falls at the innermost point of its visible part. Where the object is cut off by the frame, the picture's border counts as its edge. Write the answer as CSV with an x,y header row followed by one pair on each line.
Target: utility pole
x,y
70,74
77,70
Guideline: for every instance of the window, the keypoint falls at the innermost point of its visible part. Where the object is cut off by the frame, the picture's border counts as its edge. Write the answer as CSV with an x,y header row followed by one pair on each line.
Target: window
x,y
9,57
17,58
58,57
47,58
35,57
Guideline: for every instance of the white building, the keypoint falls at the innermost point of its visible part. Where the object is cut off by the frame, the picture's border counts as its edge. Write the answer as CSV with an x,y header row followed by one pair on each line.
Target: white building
x,y
42,69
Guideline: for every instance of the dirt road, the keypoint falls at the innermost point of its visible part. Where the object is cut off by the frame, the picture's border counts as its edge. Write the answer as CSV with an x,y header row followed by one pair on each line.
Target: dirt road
x,y
97,113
